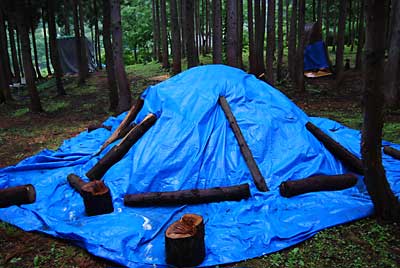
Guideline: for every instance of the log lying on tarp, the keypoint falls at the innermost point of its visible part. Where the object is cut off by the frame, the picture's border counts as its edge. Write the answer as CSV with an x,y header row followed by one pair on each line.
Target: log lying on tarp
x,y
119,150
183,197
18,195
316,184
184,241
259,180
341,153
124,127
96,195
90,128
392,152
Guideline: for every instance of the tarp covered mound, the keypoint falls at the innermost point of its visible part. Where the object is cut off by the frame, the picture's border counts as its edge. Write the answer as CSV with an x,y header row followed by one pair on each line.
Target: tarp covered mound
x,y
192,146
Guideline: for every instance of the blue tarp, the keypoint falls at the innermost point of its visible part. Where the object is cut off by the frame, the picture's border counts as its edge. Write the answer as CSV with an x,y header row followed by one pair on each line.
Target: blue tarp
x,y
315,57
192,146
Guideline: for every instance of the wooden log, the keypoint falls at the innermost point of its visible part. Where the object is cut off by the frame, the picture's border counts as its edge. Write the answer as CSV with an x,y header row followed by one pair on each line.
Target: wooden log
x,y
90,128
119,150
184,197
18,195
317,183
341,153
121,130
96,195
392,152
259,180
184,241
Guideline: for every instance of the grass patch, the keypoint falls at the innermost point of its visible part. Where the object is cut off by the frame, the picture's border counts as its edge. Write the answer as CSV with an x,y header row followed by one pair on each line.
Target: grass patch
x,y
20,112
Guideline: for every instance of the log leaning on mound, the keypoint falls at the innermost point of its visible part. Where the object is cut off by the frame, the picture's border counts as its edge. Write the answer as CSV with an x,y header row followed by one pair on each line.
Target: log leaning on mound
x,y
118,151
18,195
184,241
125,126
341,153
259,180
96,195
316,184
392,152
184,197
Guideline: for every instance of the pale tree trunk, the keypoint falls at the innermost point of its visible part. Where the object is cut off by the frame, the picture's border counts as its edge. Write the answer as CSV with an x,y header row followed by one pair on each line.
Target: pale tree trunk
x,y
269,61
279,61
217,32
124,100
14,55
232,33
386,205
176,38
35,54
45,44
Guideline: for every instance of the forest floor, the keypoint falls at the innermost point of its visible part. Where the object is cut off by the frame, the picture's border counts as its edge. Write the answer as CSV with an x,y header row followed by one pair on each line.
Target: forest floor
x,y
363,243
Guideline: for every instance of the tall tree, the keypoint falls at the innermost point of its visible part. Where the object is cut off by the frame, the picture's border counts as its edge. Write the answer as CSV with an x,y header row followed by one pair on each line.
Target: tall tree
x,y
23,22
259,16
84,51
300,49
232,33
217,32
14,55
5,93
5,58
97,35
176,38
340,41
191,51
271,39
292,41
250,25
154,23
19,52
361,36
319,12
54,55
164,39
78,43
112,80
124,100
240,33
35,53
158,30
279,60
327,21
386,205
65,17
45,43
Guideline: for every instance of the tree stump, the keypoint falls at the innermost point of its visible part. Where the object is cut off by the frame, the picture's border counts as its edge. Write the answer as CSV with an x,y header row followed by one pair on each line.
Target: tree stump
x,y
184,197
392,152
316,184
96,195
18,195
184,241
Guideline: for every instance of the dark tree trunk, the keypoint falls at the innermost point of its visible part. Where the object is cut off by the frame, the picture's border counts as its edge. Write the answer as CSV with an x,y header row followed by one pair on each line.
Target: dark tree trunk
x,y
164,39
35,54
314,18
54,55
85,65
158,30
112,81
240,33
23,24
197,25
386,205
292,41
287,22
259,15
340,41
327,21
191,51
78,43
182,8
300,49
67,29
319,12
45,43
361,37
5,79
4,48
232,33
14,55
271,39
279,61
217,32
392,68
124,100
154,24
176,38
250,26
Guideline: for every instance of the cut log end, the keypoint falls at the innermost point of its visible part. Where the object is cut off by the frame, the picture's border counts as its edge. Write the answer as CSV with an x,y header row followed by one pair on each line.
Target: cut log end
x,y
184,241
97,198
18,195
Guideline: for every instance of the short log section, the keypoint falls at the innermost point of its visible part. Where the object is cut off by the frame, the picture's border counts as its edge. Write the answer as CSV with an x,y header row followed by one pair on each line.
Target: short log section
x,y
392,152
90,128
96,195
317,184
125,126
341,153
18,195
259,180
185,197
118,151
184,241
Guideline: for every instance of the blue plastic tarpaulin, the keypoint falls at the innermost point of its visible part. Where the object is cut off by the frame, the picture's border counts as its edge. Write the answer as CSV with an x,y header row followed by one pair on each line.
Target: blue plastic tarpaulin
x,y
192,146
315,57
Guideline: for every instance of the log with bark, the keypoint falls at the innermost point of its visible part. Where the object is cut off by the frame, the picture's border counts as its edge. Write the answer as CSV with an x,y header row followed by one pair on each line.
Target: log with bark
x,y
317,183
184,197
119,150
90,128
96,195
18,195
125,125
341,153
392,152
184,241
259,180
